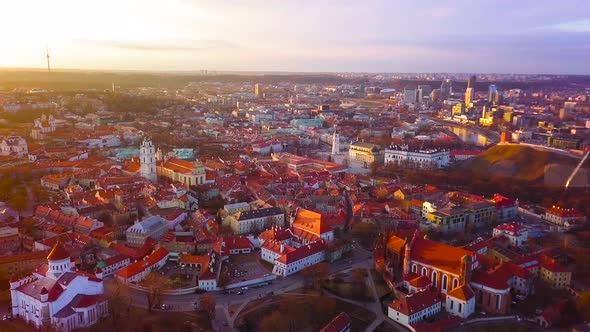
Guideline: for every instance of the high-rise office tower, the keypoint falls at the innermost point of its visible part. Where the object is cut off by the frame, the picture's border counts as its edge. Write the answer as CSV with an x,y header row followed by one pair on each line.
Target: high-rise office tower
x,y
258,90
471,82
423,91
493,95
469,97
410,96
446,88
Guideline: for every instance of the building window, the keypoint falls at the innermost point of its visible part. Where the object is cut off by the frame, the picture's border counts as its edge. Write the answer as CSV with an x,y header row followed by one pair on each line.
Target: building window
x,y
445,281
434,277
455,283
424,271
460,307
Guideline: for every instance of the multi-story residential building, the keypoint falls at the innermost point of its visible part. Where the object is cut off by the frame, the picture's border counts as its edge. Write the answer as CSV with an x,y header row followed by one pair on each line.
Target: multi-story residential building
x,y
257,220
516,233
152,227
58,295
236,207
20,264
434,158
189,173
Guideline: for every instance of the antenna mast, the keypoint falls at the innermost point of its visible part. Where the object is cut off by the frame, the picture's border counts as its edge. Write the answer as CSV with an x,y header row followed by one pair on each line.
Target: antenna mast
x,y
48,65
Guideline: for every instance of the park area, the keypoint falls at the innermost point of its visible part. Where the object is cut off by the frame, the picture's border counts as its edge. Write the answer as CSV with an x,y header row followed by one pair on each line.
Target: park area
x,y
299,310
350,284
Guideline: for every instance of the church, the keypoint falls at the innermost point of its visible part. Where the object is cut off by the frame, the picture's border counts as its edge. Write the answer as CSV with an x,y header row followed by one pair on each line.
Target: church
x,y
459,279
59,296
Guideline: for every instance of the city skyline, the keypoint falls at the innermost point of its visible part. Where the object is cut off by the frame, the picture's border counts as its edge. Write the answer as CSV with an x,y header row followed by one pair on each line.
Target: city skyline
x,y
303,36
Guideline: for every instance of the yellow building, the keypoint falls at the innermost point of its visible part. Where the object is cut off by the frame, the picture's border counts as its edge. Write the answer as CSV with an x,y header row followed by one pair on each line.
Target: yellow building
x,y
189,173
554,273
363,152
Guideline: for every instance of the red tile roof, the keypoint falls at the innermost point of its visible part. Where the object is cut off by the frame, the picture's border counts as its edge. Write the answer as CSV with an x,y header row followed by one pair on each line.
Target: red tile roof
x,y
58,253
440,255
463,293
302,252
311,222
415,303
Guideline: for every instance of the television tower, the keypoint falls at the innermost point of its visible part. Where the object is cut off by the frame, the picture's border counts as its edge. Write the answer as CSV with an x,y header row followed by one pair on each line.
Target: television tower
x,y
48,66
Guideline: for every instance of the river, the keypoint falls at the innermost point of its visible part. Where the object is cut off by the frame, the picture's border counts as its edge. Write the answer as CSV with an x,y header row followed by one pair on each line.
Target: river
x,y
470,136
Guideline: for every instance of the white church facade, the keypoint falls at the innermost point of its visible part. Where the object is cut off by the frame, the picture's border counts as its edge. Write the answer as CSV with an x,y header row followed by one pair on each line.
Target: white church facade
x,y
56,295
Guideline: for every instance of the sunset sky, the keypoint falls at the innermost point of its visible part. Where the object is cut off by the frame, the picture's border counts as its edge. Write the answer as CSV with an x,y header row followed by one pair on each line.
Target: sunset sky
x,y
524,36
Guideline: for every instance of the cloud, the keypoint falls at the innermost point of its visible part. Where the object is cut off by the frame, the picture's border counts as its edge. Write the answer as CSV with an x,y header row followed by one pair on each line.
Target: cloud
x,y
571,26
178,46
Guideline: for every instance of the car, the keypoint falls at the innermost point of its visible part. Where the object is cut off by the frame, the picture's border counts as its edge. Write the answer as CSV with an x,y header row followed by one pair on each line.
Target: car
x,y
240,293
244,288
4,317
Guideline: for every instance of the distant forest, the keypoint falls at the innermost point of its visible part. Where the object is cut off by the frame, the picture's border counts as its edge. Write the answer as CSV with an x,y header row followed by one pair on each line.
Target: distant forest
x,y
81,80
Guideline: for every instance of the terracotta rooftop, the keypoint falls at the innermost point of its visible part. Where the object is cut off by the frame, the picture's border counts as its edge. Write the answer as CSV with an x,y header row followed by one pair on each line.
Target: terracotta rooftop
x,y
58,253
311,222
443,256
462,293
415,303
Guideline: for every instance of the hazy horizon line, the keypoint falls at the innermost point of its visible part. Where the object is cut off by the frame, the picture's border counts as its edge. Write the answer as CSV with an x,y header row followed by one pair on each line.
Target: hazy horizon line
x,y
275,72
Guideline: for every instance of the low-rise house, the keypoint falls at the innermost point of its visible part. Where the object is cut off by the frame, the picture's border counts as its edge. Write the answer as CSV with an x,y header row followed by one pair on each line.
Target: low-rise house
x,y
139,270
516,233
414,308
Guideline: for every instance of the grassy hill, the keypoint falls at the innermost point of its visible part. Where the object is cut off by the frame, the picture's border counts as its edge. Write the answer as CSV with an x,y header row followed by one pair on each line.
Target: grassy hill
x,y
526,164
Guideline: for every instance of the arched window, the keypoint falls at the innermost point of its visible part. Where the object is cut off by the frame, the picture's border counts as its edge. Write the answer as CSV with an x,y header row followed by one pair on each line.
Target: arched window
x,y
445,281
415,268
455,283
434,278
424,271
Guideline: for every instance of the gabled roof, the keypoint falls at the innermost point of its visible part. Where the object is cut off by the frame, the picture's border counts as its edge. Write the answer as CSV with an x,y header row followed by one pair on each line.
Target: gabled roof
x,y
440,255
311,222
415,303
463,293
302,252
